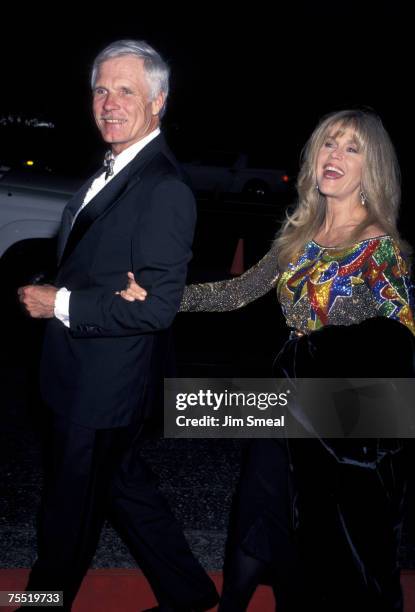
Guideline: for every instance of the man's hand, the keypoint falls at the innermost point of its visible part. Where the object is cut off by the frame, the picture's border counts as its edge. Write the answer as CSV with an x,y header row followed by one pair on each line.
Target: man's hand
x,y
134,291
38,300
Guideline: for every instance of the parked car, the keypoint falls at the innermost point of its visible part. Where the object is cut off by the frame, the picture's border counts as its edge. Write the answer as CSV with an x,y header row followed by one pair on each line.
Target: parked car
x,y
248,174
31,205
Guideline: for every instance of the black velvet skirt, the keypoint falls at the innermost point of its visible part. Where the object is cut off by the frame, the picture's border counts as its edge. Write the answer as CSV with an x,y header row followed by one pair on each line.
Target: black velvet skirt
x,y
326,514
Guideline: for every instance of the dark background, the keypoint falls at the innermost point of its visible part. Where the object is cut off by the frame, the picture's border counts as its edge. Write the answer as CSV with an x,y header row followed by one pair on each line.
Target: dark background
x,y
255,78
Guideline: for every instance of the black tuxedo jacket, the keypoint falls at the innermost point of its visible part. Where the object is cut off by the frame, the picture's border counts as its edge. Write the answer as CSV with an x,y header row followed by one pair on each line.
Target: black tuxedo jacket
x,y
98,372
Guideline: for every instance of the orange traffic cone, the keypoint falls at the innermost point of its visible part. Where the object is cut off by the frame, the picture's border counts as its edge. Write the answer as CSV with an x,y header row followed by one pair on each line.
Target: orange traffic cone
x,y
237,266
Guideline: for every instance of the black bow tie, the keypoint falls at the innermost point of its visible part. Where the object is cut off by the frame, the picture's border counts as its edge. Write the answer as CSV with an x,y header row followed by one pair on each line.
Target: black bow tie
x,y
109,164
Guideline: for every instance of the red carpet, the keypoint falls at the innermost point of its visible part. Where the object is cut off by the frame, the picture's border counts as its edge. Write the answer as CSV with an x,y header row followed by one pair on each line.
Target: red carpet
x,y
116,590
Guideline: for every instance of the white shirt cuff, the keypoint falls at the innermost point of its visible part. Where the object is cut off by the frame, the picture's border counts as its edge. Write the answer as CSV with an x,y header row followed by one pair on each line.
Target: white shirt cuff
x,y
61,309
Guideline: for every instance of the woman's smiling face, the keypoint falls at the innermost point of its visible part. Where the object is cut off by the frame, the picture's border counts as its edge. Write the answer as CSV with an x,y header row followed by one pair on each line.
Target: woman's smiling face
x,y
339,164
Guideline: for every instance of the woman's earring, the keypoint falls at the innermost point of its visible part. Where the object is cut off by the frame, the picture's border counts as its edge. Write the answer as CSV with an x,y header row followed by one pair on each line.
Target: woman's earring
x,y
363,198
317,188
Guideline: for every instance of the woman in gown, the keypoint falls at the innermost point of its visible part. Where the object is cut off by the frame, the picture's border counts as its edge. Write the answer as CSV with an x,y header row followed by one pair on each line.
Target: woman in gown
x,y
320,519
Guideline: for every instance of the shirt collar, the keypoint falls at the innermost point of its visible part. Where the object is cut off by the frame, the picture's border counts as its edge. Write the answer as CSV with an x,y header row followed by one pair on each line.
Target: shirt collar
x,y
128,154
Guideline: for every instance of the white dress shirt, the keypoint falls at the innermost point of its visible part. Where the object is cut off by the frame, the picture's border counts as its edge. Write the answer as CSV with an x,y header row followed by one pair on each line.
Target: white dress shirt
x,y
62,298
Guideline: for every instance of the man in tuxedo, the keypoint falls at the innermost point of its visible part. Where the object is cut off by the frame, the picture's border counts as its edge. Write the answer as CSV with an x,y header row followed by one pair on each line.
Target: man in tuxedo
x,y
103,355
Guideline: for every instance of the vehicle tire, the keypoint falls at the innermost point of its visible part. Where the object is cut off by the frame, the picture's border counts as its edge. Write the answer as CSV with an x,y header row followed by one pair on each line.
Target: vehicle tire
x,y
256,190
28,261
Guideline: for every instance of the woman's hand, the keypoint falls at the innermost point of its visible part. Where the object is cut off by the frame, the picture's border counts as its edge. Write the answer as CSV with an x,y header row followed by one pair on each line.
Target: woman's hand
x,y
133,291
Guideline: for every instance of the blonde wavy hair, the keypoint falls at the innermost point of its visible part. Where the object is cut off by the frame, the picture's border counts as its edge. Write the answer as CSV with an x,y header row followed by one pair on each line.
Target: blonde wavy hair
x,y
380,184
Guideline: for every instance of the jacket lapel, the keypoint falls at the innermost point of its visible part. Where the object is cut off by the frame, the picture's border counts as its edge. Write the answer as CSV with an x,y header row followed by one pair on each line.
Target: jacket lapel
x,y
92,211
103,201
69,213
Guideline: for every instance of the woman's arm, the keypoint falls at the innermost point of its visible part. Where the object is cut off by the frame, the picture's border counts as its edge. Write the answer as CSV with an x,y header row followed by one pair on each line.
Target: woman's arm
x,y
234,293
223,295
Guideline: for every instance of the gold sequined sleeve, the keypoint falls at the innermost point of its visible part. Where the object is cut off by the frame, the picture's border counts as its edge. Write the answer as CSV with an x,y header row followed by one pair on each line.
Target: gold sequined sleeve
x,y
234,293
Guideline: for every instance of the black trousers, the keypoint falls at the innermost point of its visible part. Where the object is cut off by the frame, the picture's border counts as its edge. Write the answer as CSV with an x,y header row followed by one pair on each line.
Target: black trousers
x,y
262,544
94,474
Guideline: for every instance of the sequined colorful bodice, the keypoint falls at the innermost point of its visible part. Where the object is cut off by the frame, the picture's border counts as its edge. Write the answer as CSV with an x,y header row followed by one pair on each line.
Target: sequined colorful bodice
x,y
341,286
326,285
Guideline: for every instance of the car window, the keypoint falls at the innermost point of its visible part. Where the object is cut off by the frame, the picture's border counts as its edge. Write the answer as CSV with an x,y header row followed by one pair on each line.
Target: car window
x,y
259,159
224,159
